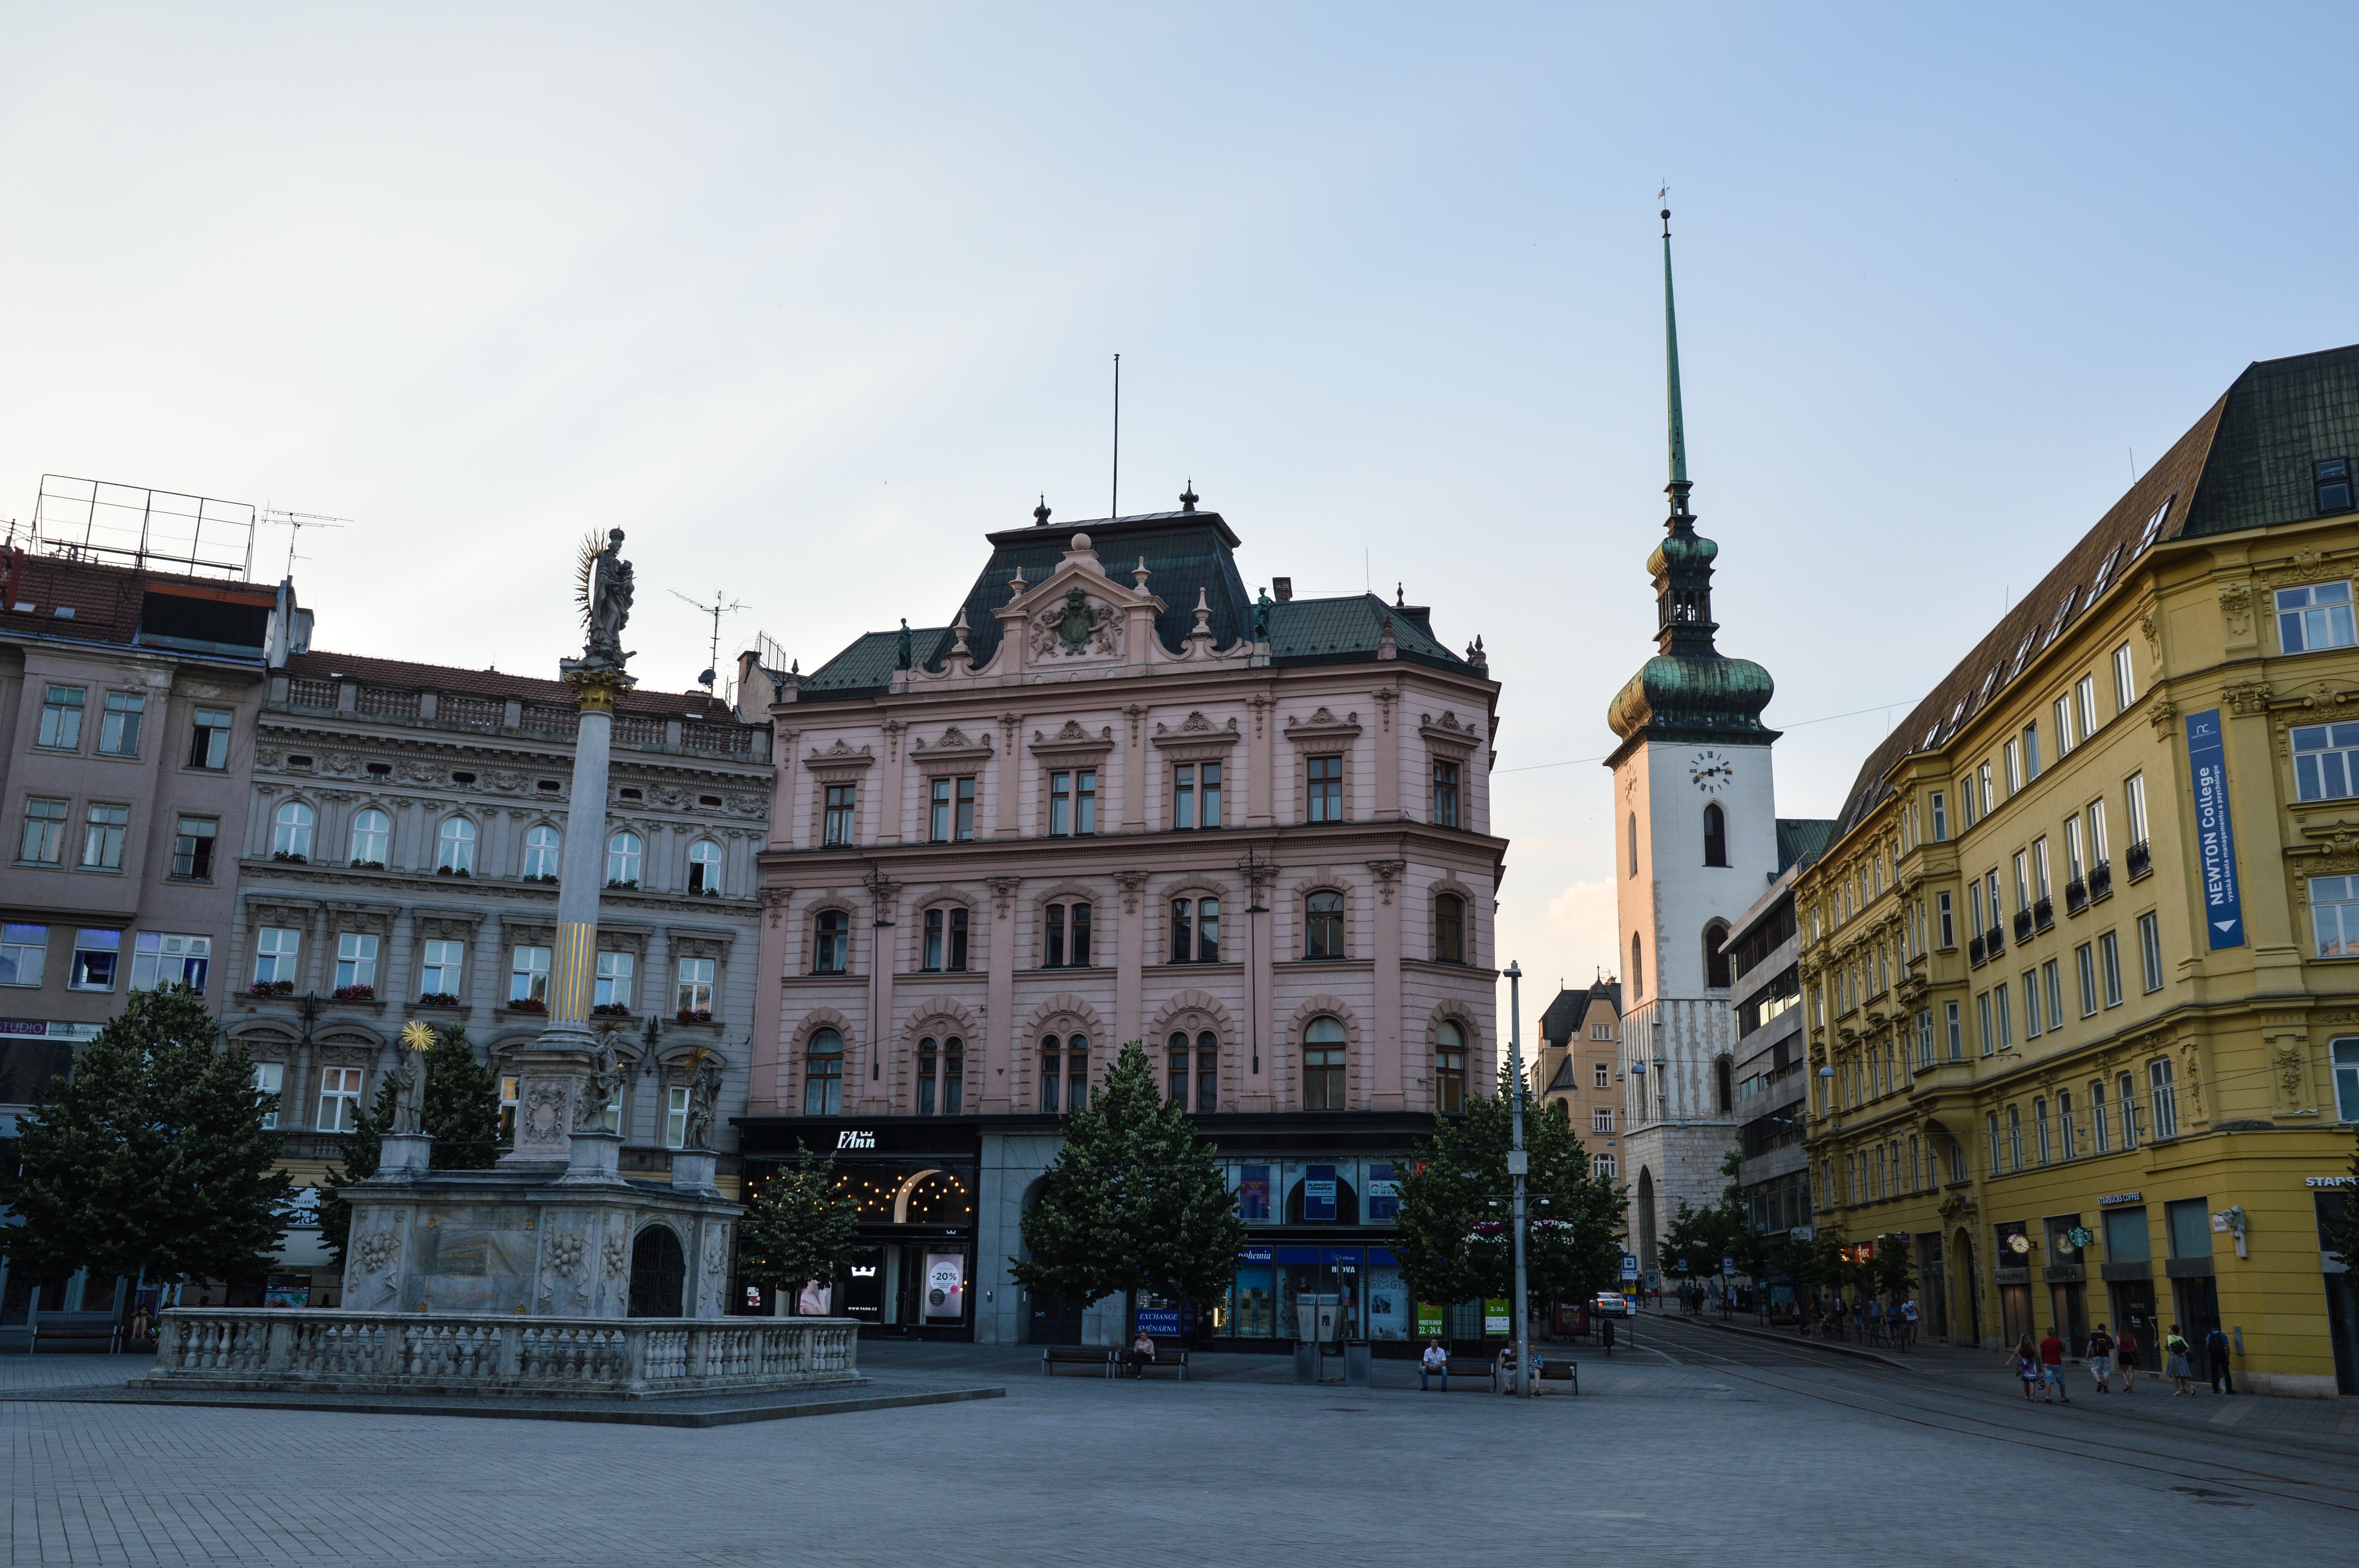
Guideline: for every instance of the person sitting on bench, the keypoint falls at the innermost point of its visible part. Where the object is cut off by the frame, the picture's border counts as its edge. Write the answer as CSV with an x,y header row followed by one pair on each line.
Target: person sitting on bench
x,y
1436,1359
1141,1352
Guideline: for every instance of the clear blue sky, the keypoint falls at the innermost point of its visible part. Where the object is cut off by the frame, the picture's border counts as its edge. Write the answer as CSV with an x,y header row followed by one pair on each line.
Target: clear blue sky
x,y
807,299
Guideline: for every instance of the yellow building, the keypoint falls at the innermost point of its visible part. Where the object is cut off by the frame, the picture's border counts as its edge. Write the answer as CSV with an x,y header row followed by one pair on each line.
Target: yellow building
x,y
1574,1071
2084,1014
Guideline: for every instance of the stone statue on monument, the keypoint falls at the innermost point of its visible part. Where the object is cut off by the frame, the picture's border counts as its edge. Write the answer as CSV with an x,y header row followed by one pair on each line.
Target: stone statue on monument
x,y
603,588
600,1089
703,1101
407,1077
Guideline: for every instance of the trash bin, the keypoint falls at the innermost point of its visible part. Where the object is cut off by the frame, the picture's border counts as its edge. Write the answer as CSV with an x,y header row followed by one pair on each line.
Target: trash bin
x,y
1306,1361
1355,1363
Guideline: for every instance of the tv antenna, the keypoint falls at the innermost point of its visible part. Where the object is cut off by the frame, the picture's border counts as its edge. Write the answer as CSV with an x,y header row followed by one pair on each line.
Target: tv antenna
x,y
717,608
295,522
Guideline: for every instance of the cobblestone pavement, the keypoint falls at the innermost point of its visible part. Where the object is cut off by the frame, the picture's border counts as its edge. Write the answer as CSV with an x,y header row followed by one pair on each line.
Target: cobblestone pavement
x,y
1668,1452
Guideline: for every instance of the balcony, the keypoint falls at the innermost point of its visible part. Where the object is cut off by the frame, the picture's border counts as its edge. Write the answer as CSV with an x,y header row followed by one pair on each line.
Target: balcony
x,y
2141,859
1974,954
2022,926
1997,942
2043,913
716,736
2101,880
2076,896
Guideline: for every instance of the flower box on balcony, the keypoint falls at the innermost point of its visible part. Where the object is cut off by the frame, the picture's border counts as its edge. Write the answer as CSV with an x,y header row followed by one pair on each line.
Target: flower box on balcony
x,y
352,993
438,998
693,1015
527,1004
274,988
610,1010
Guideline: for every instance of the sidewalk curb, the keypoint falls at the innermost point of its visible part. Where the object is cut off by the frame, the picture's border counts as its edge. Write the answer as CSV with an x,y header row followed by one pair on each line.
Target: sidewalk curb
x,y
1795,1339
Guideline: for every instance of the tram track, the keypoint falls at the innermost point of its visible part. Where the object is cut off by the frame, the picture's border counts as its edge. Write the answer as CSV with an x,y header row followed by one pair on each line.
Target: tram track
x,y
2322,1494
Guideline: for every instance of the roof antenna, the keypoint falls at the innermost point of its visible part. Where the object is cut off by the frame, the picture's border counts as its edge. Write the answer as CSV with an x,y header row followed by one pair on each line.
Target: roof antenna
x,y
717,608
1114,500
296,522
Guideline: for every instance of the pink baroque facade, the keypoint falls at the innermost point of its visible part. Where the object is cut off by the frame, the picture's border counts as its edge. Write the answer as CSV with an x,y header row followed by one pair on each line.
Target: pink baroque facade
x,y
1118,799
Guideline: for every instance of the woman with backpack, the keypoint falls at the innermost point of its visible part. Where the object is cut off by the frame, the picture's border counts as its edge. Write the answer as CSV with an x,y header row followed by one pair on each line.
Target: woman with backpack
x,y
2025,1362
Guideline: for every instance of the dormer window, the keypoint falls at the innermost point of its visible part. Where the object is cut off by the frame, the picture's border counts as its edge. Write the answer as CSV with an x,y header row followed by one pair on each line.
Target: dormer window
x,y
2332,478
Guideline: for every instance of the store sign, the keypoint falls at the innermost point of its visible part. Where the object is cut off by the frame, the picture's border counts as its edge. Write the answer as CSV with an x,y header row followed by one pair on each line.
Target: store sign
x,y
946,1285
2215,834
1495,1317
1252,1194
1384,1194
1163,1322
1318,1194
42,1029
850,1139
2333,1182
1254,1255
2110,1198
1429,1321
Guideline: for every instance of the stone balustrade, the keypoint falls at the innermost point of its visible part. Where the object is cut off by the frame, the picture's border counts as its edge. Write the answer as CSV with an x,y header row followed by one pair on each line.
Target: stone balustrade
x,y
463,1353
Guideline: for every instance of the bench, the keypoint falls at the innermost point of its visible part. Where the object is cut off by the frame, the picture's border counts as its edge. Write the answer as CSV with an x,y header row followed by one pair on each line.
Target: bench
x,y
1470,1369
1172,1361
66,1332
1561,1372
1057,1355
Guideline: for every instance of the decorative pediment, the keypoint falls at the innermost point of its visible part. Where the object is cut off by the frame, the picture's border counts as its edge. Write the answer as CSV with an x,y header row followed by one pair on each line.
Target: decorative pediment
x,y
1074,626
1073,739
956,749
1195,733
1322,727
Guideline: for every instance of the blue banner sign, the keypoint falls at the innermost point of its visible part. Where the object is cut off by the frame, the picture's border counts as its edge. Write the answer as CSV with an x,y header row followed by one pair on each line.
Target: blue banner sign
x,y
1162,1322
1318,1194
2215,834
1384,1194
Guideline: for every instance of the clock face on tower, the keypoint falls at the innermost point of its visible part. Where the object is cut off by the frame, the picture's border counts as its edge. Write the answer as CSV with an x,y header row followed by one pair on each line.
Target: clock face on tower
x,y
1711,771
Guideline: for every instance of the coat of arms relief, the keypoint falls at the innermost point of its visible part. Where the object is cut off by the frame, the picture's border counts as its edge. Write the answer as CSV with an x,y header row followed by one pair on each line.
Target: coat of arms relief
x,y
1074,628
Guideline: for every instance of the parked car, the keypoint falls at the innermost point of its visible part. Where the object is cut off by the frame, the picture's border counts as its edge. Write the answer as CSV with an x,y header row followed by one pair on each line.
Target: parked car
x,y
1610,1303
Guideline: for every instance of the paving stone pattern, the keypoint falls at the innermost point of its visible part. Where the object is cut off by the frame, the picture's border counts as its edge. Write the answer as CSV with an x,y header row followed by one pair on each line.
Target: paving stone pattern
x,y
1661,1460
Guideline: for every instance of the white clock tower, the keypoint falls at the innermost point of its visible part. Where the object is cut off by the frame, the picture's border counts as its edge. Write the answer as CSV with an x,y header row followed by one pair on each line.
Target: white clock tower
x,y
1696,844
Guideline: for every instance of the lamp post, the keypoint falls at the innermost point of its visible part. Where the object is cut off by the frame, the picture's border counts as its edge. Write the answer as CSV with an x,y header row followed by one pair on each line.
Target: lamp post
x,y
1518,1164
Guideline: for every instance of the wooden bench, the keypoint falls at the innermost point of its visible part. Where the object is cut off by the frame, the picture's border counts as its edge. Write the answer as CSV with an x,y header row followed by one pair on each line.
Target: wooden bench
x,y
1470,1369
1172,1361
67,1333
1057,1355
1561,1372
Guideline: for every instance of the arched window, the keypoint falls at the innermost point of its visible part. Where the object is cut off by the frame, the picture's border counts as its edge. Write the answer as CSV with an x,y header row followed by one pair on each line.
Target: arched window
x,y
624,852
1633,843
1208,1071
540,846
948,1064
1715,836
1181,1063
454,849
832,953
1324,925
1449,1068
1322,1064
371,838
291,832
1448,929
1724,1084
1715,961
823,1074
704,869
1069,1062
1638,969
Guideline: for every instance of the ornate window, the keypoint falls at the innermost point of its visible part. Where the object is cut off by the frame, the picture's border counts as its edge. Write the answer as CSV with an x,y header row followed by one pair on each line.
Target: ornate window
x,y
1325,790
704,869
823,1074
528,977
1073,802
540,849
624,853
356,963
836,826
614,986
1196,931
371,838
1065,937
1322,1064
442,971
946,930
1196,795
1323,925
1716,960
455,847
953,813
1715,836
1445,795
944,1065
1449,1068
1448,929
831,952
694,997
291,832
340,1099
1068,1061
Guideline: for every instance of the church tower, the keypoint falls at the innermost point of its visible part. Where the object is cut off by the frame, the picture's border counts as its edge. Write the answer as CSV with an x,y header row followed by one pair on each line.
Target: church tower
x,y
1695,845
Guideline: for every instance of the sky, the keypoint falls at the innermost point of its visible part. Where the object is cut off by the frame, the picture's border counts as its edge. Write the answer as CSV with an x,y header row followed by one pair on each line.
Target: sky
x,y
808,299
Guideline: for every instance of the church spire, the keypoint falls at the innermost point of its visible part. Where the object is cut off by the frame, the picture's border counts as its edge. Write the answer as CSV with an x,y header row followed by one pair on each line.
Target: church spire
x,y
1678,485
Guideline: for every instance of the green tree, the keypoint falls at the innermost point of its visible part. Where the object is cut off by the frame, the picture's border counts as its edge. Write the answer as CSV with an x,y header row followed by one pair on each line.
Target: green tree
x,y
1455,1201
461,1114
1891,1271
151,1155
802,1226
1134,1202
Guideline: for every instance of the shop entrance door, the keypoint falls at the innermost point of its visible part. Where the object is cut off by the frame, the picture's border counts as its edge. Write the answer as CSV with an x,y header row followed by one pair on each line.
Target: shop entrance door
x,y
1934,1295
1053,1323
2133,1310
2342,1327
2197,1302
2068,1304
2015,1312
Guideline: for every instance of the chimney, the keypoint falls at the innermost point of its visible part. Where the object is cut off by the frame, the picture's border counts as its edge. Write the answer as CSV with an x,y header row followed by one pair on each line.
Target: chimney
x,y
1283,587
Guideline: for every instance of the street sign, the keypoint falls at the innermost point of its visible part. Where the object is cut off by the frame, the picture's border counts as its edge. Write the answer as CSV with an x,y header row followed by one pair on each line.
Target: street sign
x,y
1727,1264
1629,1265
1679,1266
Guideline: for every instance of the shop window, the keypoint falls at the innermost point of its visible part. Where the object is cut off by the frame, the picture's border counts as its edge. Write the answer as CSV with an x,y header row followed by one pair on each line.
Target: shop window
x,y
832,953
823,1074
946,933
1449,1068
1323,1043
1322,915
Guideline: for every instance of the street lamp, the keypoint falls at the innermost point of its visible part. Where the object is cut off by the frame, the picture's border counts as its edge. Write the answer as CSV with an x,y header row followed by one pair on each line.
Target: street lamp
x,y
1518,1164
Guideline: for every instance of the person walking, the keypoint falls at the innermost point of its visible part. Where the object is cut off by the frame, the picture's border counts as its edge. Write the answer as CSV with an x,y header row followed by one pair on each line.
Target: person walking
x,y
1873,1313
2101,1359
1435,1360
2126,1356
2051,1366
2025,1364
1908,1322
2176,1365
2215,1347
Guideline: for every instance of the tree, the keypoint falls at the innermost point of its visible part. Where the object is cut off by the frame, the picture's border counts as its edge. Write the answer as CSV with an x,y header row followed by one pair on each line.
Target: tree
x,y
1891,1272
461,1114
1134,1202
1454,1200
800,1226
151,1155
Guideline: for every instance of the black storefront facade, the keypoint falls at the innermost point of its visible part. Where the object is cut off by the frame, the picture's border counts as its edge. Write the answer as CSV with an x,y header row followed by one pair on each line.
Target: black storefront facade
x,y
917,1180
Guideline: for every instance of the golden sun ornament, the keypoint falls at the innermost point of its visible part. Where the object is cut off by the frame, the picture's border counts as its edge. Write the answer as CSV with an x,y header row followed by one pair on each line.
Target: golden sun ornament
x,y
418,1036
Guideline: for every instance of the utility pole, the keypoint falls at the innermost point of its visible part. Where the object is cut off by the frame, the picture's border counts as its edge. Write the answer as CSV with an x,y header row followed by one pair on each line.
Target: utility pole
x,y
1518,1165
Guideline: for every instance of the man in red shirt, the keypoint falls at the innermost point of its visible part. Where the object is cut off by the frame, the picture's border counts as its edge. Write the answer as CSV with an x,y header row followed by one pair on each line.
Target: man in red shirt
x,y
2051,1366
